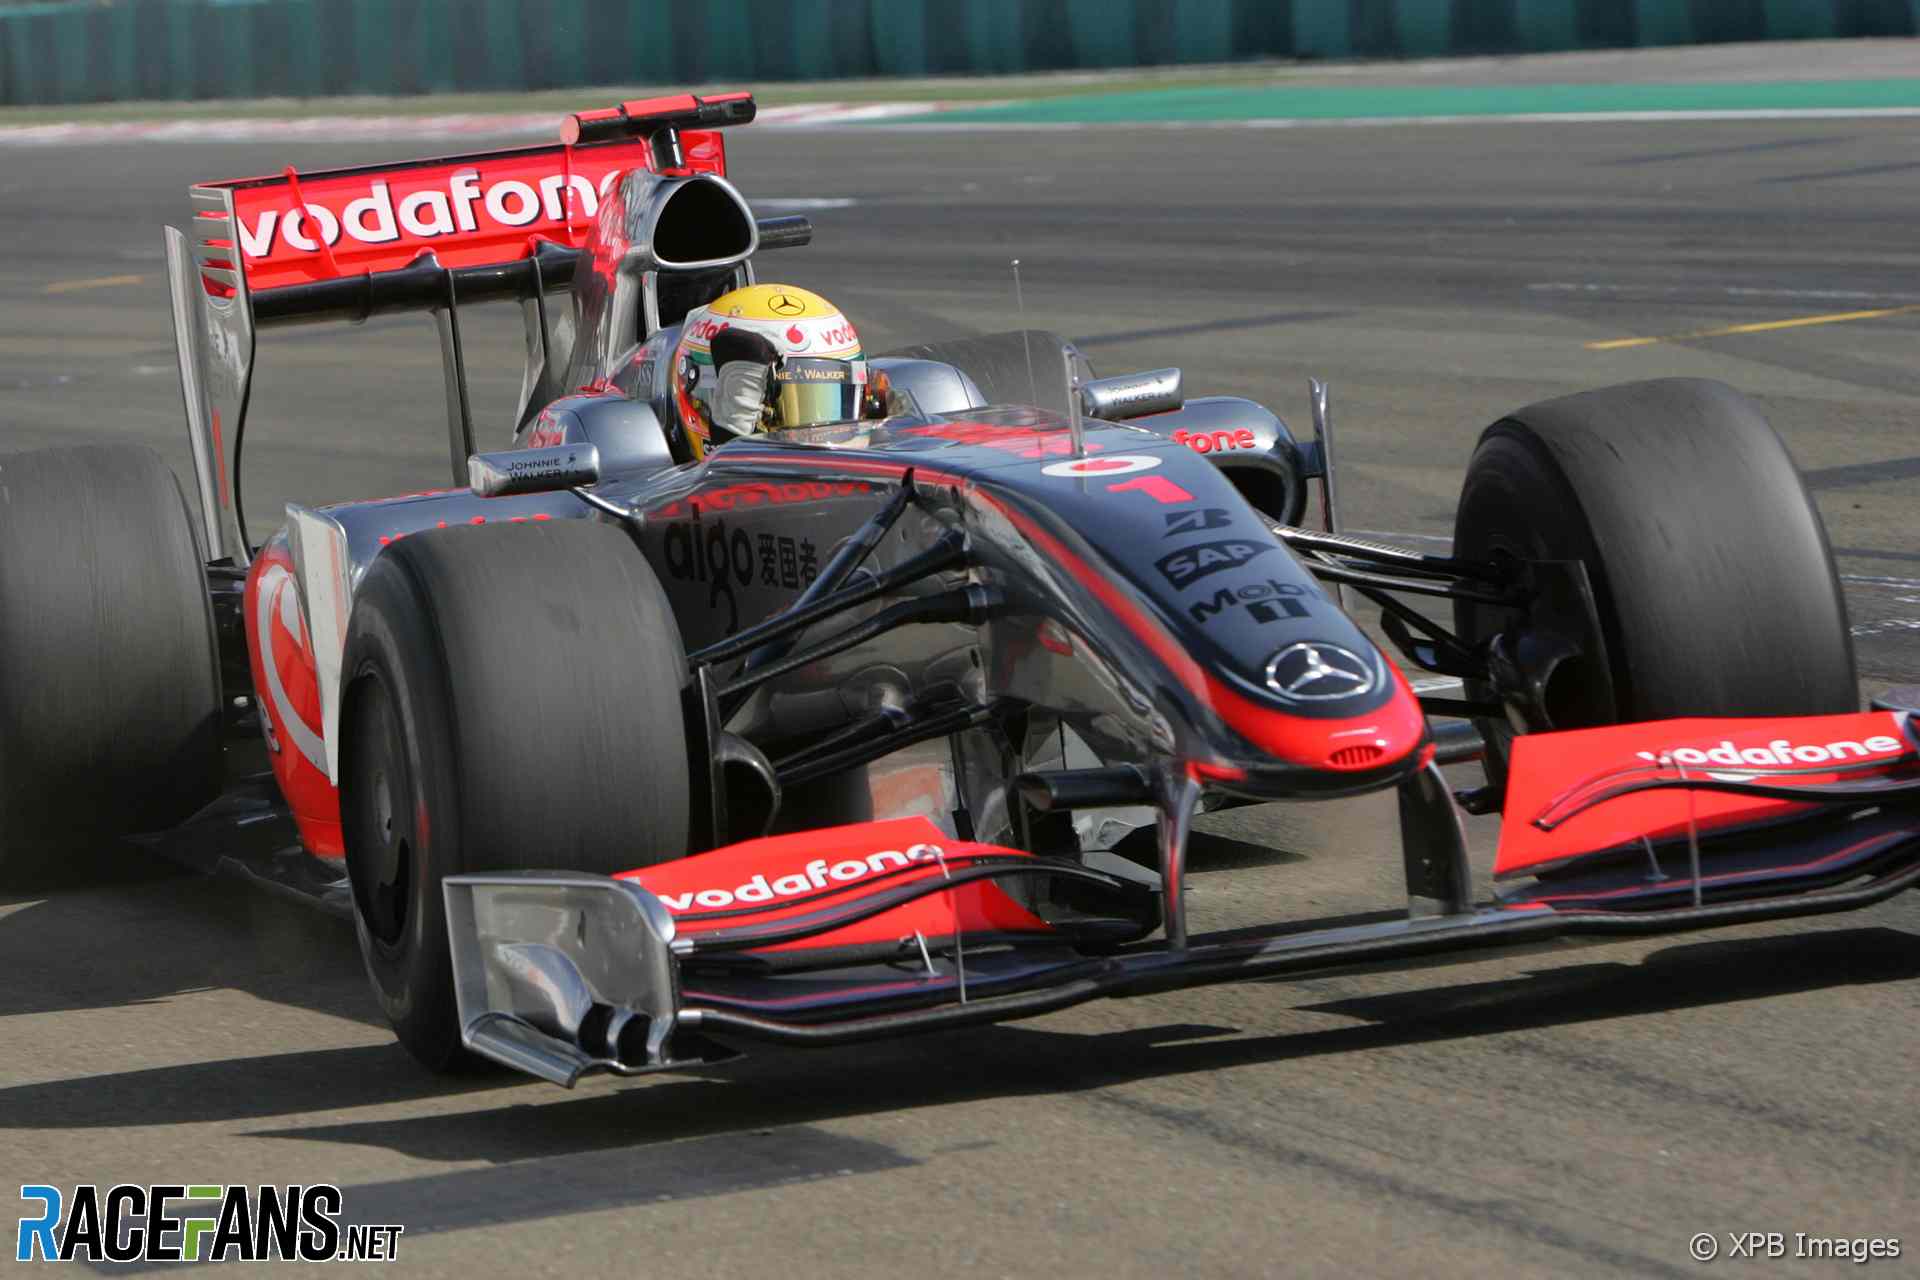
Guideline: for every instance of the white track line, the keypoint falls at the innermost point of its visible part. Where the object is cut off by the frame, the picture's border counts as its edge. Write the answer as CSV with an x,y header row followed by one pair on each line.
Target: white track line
x,y
824,115
1853,579
1865,580
1361,122
1390,533
400,128
804,202
310,129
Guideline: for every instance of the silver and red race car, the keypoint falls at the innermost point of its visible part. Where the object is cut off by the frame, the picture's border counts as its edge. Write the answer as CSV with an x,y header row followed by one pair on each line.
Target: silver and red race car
x,y
622,758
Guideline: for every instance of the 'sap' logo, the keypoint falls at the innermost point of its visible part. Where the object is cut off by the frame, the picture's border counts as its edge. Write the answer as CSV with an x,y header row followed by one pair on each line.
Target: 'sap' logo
x,y
1190,564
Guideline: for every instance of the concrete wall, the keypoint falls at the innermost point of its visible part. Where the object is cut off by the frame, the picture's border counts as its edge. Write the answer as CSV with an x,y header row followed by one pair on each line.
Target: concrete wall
x,y
109,50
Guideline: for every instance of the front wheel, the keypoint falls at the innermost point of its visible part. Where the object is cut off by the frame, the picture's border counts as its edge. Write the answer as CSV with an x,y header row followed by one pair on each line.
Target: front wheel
x,y
1711,572
511,701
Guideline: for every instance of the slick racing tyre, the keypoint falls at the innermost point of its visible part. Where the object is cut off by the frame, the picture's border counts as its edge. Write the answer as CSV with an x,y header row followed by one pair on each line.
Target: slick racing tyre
x,y
999,365
109,669
1714,582
511,700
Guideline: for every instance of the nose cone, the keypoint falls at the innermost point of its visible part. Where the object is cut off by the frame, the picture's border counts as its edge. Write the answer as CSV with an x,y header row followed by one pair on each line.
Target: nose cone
x,y
1285,688
1312,731
1270,689
1290,690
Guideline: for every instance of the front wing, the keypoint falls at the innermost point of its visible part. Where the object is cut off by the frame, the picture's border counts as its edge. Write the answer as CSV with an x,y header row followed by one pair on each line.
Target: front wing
x,y
532,1005
884,929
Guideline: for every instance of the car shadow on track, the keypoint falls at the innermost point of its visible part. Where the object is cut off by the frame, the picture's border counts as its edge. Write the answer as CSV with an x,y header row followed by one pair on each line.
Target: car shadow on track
x,y
1016,1059
149,932
803,1087
123,929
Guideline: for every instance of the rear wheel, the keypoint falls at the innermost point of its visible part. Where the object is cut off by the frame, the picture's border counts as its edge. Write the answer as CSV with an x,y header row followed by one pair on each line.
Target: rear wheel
x,y
109,669
512,701
1714,583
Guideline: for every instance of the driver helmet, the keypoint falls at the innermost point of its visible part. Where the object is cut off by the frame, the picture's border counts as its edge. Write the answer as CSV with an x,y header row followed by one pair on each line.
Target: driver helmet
x,y
767,357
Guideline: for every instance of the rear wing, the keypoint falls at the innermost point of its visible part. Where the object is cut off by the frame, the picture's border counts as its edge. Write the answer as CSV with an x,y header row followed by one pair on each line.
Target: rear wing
x,y
426,235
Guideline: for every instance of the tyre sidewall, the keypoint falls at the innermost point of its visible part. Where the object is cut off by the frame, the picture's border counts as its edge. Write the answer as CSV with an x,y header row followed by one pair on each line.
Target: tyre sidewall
x,y
544,734
392,650
110,723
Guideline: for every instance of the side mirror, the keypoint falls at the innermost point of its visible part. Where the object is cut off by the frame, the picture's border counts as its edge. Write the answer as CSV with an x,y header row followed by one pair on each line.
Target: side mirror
x,y
555,467
1132,395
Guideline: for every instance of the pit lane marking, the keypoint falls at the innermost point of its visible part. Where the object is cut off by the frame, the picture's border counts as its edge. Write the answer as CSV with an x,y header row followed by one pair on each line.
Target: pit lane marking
x,y
1764,326
96,282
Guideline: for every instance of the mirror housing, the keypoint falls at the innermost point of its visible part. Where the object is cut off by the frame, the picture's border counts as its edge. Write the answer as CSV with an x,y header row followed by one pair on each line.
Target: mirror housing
x,y
1132,395
544,470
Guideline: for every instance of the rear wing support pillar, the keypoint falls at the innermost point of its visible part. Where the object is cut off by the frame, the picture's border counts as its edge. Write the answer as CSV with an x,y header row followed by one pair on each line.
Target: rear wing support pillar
x,y
540,383
453,366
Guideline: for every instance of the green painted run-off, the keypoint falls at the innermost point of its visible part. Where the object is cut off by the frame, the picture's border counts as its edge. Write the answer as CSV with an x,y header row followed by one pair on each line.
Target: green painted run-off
x,y
1360,102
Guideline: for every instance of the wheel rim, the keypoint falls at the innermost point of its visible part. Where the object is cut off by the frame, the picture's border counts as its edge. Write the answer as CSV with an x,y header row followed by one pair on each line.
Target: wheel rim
x,y
1565,700
381,818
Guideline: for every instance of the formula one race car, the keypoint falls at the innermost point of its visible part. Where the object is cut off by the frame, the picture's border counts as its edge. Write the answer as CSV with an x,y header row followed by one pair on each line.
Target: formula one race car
x,y
628,753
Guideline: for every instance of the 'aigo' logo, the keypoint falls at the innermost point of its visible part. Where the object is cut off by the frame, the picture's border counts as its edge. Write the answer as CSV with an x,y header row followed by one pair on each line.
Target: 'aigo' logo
x,y
188,1223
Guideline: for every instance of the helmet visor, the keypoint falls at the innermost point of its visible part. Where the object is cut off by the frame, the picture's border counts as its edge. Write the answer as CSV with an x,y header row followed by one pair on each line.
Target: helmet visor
x,y
808,391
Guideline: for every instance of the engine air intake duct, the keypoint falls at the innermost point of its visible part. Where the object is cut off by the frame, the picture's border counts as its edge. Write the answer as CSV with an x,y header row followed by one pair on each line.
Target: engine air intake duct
x,y
700,223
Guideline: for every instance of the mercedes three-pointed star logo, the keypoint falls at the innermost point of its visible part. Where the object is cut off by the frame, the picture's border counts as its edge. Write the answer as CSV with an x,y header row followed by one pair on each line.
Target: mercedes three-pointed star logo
x,y
782,304
1313,672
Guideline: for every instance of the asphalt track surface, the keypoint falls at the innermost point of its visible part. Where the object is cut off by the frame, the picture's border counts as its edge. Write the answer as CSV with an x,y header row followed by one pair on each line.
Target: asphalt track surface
x,y
1556,1112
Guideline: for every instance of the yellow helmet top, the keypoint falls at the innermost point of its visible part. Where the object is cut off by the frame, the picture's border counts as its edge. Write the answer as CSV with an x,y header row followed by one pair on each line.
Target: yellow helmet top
x,y
813,349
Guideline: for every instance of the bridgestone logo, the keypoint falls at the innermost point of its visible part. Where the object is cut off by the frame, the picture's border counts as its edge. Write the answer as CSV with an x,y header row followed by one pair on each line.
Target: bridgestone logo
x,y
812,878
1778,753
